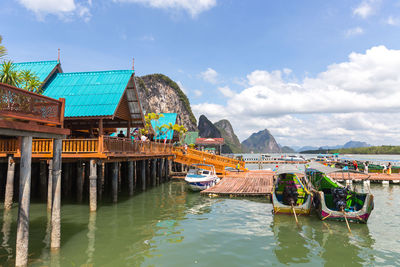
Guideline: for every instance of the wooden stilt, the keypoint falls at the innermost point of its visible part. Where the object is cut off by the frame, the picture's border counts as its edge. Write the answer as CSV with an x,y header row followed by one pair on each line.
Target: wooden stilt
x,y
93,185
43,180
79,182
119,176
143,174
154,172
162,171
115,182
148,172
100,180
169,167
21,258
159,176
50,186
130,177
9,184
166,169
56,207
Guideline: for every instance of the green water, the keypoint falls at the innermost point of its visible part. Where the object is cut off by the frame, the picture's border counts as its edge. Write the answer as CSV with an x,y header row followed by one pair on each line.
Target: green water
x,y
170,226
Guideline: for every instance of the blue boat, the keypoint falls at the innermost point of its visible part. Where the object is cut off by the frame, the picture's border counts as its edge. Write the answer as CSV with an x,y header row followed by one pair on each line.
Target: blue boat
x,y
201,176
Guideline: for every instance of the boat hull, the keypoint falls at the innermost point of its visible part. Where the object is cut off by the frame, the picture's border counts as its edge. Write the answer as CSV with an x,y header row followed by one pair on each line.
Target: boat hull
x,y
280,208
360,216
198,184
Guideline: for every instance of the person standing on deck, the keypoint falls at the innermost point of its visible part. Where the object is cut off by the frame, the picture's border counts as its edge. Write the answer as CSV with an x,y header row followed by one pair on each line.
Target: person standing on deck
x,y
366,167
389,168
355,165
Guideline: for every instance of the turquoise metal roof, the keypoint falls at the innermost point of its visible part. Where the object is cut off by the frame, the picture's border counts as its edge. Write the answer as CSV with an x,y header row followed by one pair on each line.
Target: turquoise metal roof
x,y
168,118
89,93
42,69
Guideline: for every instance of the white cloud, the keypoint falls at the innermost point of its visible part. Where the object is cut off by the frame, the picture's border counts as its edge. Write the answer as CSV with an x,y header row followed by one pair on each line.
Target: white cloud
x,y
198,93
193,7
64,9
226,91
210,76
394,21
357,99
366,8
354,31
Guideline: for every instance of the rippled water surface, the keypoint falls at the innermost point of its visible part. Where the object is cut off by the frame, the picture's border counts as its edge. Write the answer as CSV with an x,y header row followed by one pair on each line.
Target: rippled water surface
x,y
170,226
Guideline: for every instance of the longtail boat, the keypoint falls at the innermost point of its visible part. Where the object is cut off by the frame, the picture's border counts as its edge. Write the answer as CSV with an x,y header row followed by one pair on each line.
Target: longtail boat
x,y
291,192
333,201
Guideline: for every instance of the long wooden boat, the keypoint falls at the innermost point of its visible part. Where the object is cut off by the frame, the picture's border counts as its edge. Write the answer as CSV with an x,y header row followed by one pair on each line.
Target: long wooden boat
x,y
291,192
333,201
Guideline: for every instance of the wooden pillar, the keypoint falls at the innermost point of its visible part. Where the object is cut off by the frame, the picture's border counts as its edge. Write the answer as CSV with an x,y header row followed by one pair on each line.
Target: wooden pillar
x,y
143,174
148,172
159,171
154,172
130,178
43,179
162,171
115,182
21,257
100,180
128,130
9,184
100,127
170,163
50,186
93,185
79,182
56,207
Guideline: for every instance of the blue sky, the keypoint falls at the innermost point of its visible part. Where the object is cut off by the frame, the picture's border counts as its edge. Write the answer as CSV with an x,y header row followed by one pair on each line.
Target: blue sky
x,y
220,51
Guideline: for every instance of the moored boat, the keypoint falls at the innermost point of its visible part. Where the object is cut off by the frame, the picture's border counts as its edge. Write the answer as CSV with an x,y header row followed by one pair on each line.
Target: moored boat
x,y
291,192
334,201
201,177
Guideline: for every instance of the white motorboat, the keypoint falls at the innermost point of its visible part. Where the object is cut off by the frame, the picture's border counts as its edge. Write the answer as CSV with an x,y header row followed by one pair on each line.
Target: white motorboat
x,y
201,177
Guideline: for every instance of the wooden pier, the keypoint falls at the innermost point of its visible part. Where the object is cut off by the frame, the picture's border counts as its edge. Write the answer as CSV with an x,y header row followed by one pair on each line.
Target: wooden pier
x,y
240,184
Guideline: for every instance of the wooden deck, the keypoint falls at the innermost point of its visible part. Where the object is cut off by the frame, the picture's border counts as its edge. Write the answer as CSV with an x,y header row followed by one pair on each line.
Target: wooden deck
x,y
251,183
371,176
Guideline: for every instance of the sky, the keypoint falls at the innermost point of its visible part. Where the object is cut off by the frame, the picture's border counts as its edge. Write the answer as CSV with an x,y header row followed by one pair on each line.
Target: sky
x,y
311,72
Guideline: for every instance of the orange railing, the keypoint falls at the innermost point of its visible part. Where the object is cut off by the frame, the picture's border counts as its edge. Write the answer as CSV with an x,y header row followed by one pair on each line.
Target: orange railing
x,y
9,146
21,104
100,147
192,156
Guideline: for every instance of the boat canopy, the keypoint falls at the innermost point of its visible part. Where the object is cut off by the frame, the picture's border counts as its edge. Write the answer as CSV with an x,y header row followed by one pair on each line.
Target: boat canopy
x,y
322,168
290,168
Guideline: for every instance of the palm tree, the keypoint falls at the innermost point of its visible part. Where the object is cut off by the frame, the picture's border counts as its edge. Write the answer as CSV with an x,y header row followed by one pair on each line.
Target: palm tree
x,y
29,81
169,127
8,74
182,132
3,50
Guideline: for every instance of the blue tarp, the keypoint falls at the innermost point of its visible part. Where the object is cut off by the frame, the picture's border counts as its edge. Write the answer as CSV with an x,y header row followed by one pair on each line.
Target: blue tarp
x,y
168,118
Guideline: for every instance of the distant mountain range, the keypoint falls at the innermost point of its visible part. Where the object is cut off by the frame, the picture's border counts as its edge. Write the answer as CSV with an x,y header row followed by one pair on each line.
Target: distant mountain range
x,y
350,144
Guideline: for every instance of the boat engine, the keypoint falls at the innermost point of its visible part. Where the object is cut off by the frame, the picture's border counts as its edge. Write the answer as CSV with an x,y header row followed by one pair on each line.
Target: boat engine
x,y
290,195
339,198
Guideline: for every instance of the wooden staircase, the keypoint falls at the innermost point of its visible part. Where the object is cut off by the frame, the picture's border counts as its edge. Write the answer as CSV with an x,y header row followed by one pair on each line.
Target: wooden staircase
x,y
192,156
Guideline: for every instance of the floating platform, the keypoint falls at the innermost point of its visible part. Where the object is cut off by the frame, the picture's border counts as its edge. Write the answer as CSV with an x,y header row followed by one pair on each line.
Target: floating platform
x,y
373,177
239,184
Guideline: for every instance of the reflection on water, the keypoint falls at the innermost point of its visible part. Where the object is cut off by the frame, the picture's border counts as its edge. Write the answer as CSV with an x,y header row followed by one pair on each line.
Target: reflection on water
x,y
170,226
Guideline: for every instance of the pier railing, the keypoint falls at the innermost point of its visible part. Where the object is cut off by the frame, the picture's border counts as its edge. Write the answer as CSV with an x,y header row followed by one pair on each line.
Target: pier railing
x,y
101,147
192,156
21,104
